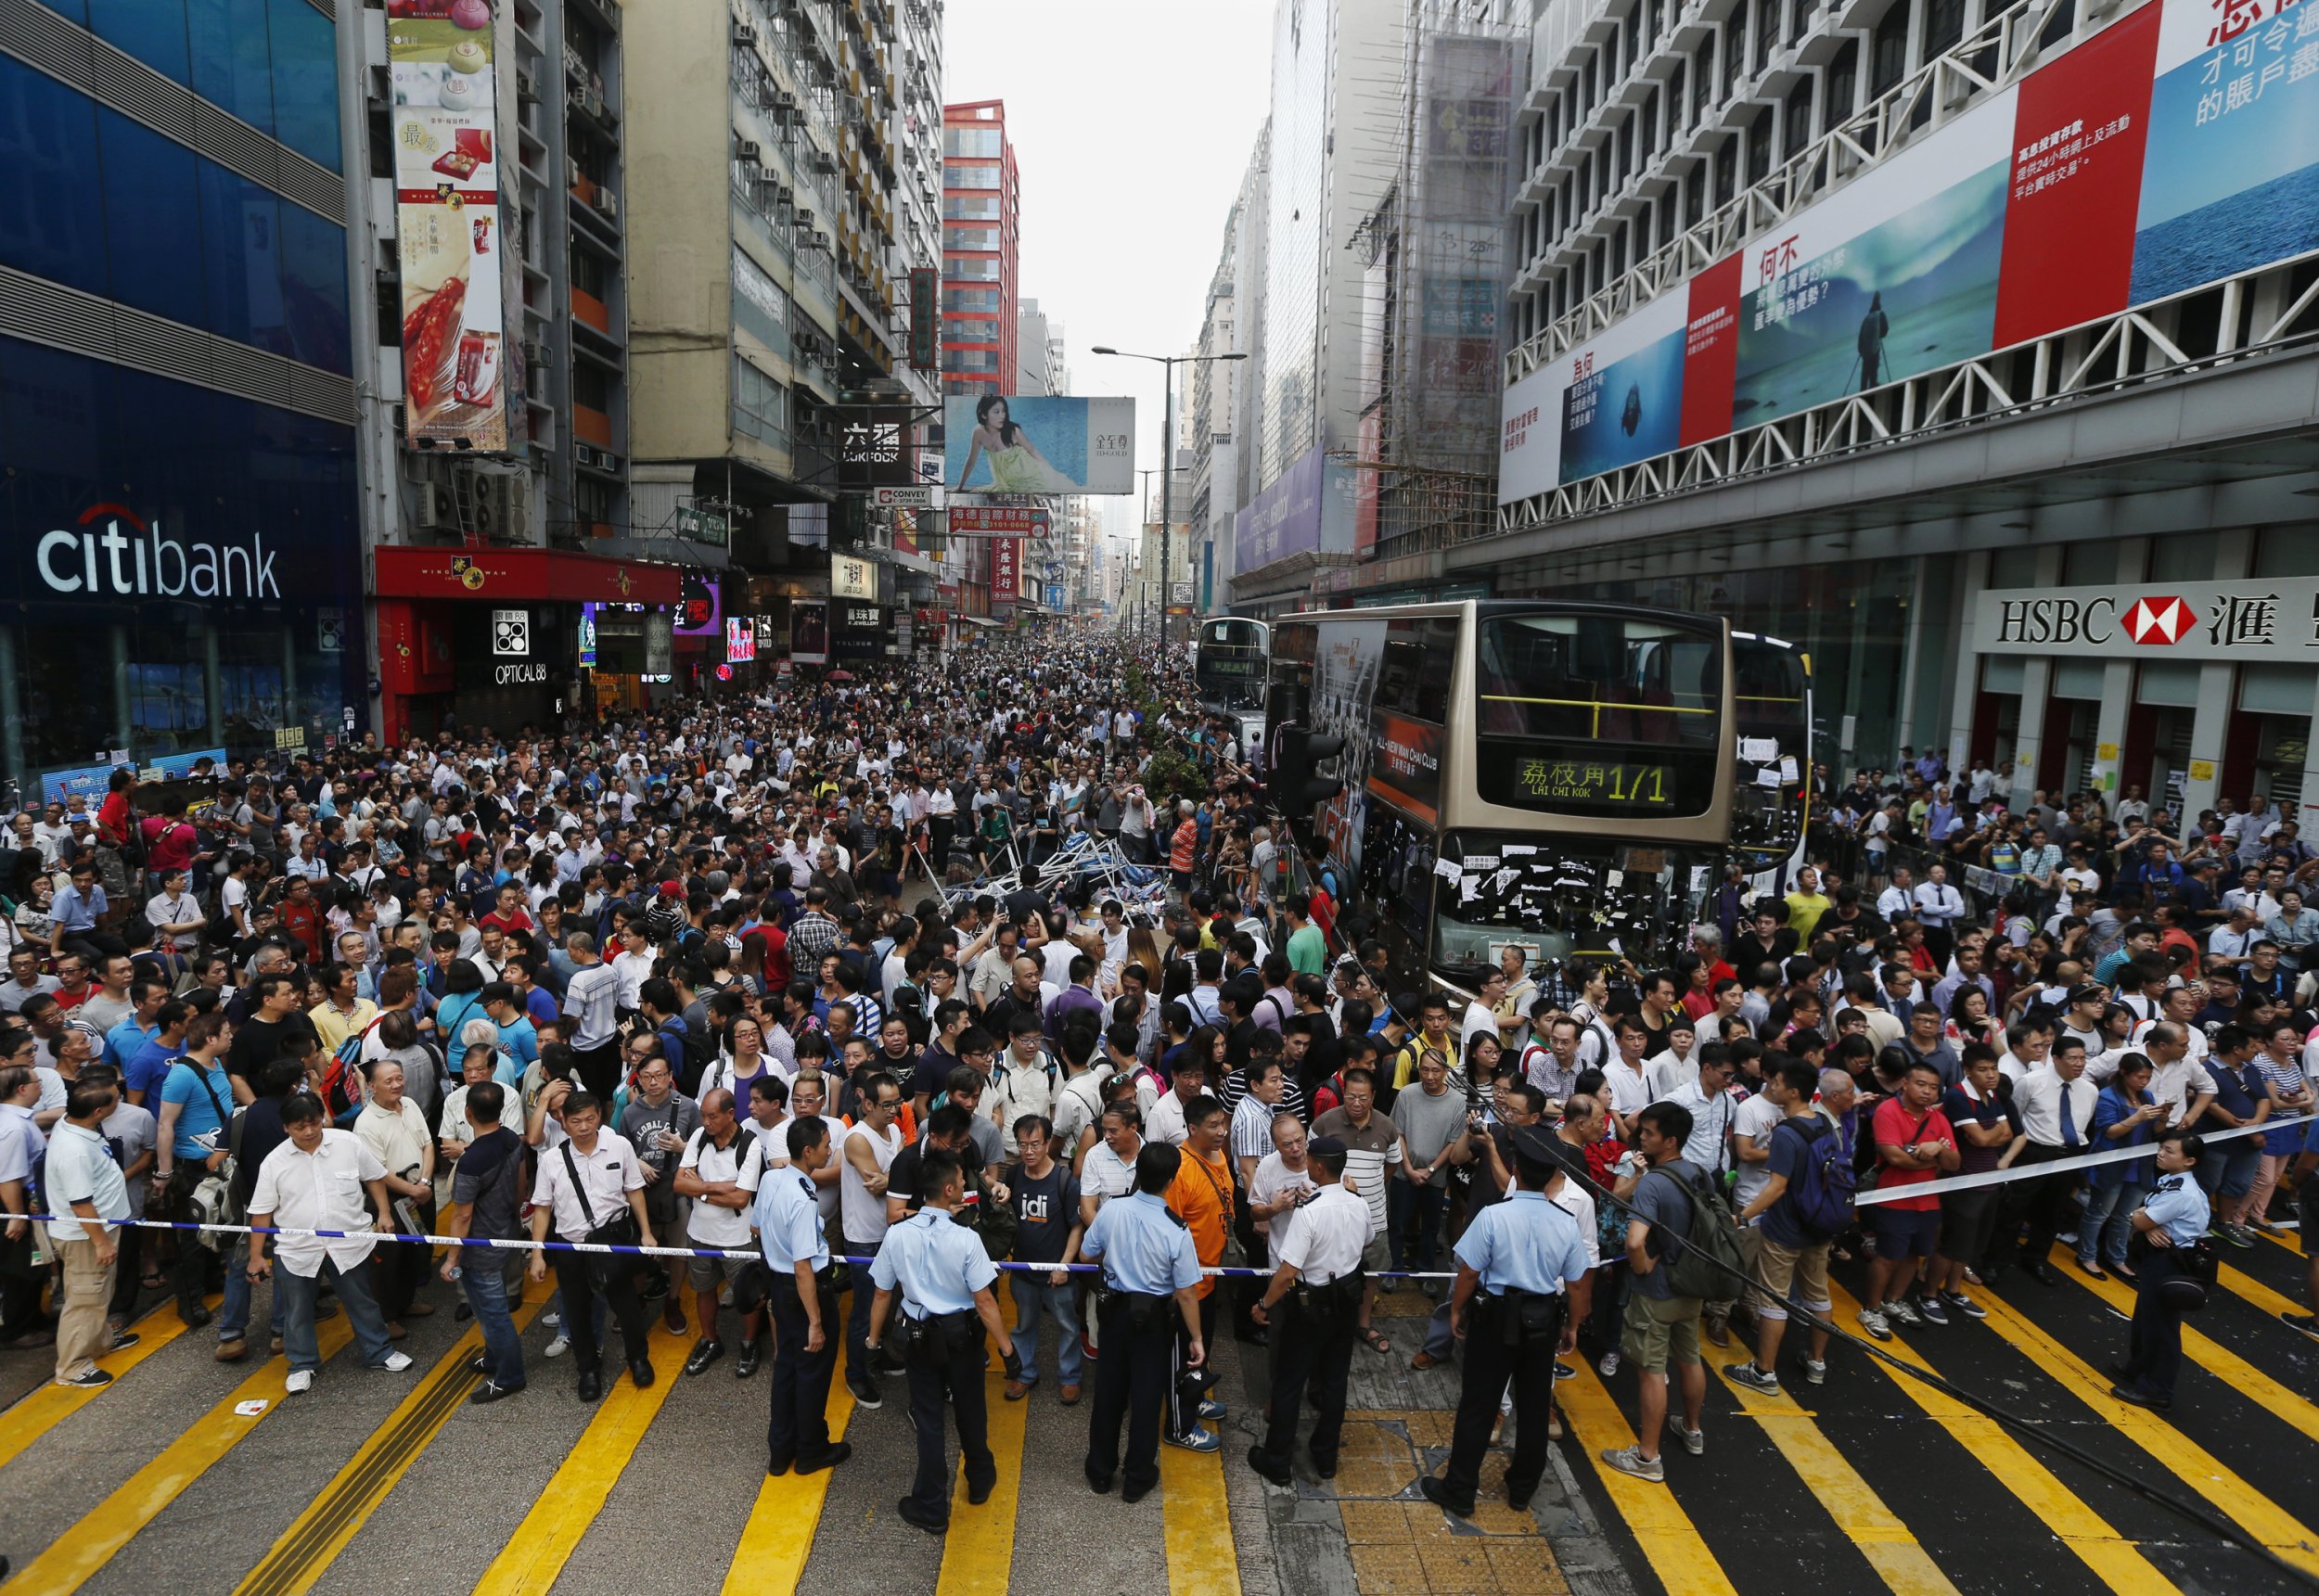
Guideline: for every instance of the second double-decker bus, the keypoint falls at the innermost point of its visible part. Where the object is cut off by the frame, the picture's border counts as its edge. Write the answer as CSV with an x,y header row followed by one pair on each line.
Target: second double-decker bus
x,y
1553,775
1772,791
1229,663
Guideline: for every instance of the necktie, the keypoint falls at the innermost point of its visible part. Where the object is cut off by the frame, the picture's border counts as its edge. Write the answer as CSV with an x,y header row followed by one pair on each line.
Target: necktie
x,y
2069,1121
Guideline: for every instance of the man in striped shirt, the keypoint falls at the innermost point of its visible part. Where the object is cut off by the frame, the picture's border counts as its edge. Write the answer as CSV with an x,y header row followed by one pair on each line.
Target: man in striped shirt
x,y
1372,1148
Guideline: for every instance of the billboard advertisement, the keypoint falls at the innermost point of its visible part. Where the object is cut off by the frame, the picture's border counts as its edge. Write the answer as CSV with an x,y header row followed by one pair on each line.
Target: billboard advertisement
x,y
1003,443
1006,569
2176,148
741,640
998,521
809,632
701,607
450,63
1308,509
850,578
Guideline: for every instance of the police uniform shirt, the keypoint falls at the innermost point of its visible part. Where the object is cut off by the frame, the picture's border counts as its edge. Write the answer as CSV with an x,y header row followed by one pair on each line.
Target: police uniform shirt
x,y
1327,1239
789,1222
2178,1207
936,1263
1144,1247
1523,1244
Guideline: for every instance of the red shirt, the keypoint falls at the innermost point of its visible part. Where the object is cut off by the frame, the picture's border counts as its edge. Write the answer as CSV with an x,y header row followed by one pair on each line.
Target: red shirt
x,y
1897,1124
519,921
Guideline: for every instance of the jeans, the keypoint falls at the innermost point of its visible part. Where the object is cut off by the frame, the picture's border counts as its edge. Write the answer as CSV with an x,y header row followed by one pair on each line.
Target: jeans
x,y
2109,1222
859,1366
493,1283
2229,1170
1413,1222
1032,1293
232,1314
297,1293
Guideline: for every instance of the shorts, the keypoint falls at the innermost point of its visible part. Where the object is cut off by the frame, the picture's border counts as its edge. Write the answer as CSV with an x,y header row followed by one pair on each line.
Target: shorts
x,y
1905,1233
1376,1257
1782,1272
1661,1331
1967,1220
702,1273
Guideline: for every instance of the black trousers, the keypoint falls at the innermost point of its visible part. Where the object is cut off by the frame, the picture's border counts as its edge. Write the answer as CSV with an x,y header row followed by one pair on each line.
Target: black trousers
x,y
940,1375
2154,1351
403,1267
2039,1203
129,1275
1133,1378
599,1071
800,1426
576,1279
1313,1349
1490,1363
1189,1387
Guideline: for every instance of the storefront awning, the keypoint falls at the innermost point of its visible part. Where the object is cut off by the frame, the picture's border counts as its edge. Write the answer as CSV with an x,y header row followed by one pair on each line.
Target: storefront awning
x,y
529,574
981,620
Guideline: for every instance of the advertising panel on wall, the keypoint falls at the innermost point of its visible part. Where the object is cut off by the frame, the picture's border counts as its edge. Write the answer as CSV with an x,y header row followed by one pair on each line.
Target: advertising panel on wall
x,y
1003,443
700,608
2253,620
998,521
809,632
1309,509
451,65
741,640
852,578
2178,146
859,631
1006,569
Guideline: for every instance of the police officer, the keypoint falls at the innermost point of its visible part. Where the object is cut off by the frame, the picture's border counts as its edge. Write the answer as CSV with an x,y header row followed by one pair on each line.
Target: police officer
x,y
1150,1269
788,1215
1315,1298
1514,1264
2166,1230
944,1277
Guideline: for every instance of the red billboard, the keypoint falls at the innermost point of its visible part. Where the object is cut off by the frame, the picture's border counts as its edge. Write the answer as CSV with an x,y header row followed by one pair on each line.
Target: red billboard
x,y
1006,569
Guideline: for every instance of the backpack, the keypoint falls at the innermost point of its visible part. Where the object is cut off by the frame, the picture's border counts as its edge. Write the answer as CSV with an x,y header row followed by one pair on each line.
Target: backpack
x,y
1710,1264
1822,1192
342,1078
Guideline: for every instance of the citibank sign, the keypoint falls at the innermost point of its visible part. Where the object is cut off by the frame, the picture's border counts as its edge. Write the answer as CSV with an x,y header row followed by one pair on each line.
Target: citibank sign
x,y
114,552
2251,619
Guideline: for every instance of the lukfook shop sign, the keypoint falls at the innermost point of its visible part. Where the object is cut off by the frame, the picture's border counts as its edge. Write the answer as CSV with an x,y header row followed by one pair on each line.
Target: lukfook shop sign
x,y
2251,620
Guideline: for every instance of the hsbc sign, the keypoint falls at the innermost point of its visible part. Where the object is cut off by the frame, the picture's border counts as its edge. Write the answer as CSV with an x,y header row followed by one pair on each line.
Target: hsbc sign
x,y
2254,619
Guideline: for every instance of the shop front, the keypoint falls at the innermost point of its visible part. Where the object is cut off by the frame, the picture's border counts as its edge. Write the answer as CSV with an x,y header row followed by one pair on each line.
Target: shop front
x,y
182,573
504,639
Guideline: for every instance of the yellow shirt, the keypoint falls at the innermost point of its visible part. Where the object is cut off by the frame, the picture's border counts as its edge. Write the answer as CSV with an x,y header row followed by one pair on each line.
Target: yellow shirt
x,y
1804,910
334,1027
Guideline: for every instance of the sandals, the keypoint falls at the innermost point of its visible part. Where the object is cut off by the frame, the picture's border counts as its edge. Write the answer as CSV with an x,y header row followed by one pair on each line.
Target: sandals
x,y
1376,1343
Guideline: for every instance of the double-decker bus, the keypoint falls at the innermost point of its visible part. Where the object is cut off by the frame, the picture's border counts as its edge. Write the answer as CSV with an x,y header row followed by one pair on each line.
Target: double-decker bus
x,y
1555,774
1228,663
1771,800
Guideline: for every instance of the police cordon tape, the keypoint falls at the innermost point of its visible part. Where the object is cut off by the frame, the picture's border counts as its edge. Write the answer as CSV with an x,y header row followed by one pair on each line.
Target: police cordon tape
x,y
527,1244
2060,1166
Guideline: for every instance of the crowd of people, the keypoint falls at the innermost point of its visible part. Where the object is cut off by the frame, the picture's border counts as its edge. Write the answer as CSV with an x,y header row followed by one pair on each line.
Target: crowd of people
x,y
773,978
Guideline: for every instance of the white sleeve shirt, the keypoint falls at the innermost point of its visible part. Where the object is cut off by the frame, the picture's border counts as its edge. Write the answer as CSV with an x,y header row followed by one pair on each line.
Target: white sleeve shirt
x,y
606,1176
324,1190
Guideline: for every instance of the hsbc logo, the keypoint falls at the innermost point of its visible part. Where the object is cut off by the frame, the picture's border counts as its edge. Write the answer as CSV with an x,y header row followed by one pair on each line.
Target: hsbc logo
x,y
2159,620
2090,621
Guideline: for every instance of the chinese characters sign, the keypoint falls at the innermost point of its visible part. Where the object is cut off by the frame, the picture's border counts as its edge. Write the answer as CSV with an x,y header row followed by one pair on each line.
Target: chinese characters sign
x,y
1552,781
2253,620
1006,569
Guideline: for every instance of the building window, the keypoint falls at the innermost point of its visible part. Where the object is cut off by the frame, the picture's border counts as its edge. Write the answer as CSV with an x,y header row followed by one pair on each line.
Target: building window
x,y
1760,146
1843,82
970,299
973,141
970,177
970,208
969,267
969,238
1890,63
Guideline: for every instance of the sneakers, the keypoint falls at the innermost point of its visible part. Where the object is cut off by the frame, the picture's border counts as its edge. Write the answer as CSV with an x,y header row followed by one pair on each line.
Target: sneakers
x,y
232,1351
1815,1370
553,1321
1211,1408
123,1340
301,1381
1609,1364
2237,1235
559,1346
1959,1302
1196,1440
396,1362
1930,1310
1872,1320
864,1394
1565,1371
1898,1312
1631,1461
93,1380
1694,1441
1754,1379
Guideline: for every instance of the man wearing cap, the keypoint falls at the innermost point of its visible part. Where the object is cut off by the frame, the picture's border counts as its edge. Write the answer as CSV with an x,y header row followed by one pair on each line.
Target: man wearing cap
x,y
1515,1262
1315,1289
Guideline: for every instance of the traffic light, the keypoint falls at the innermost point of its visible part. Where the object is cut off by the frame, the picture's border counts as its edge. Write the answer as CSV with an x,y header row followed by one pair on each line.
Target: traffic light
x,y
1298,783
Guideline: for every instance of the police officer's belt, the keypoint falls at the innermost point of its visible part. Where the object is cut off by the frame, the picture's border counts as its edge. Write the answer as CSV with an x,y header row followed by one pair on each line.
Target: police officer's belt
x,y
1525,1317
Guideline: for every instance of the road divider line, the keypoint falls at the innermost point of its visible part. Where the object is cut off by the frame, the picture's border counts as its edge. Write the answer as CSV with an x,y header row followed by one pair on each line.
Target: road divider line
x,y
1197,1521
978,1552
2224,1490
45,1407
85,1548
543,1542
1670,1542
2242,1285
778,1536
1890,1546
2113,1558
299,1557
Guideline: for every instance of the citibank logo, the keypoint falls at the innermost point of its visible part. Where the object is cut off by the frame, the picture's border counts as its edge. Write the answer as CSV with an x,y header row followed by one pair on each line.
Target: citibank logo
x,y
145,561
2159,620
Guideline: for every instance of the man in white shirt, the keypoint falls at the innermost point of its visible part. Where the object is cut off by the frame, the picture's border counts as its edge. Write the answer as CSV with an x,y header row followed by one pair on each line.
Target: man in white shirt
x,y
866,1154
316,1181
723,1162
79,1177
2056,1108
582,1186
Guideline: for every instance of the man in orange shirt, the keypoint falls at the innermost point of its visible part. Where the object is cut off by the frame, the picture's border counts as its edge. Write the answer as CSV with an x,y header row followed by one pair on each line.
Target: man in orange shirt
x,y
1201,1197
1183,848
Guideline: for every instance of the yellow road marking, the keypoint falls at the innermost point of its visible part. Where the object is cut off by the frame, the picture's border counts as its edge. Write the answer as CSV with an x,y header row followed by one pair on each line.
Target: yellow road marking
x,y
978,1553
2200,1470
1858,1511
2113,1558
1202,1559
2205,1351
2239,1284
107,1528
44,1408
536,1553
779,1534
1670,1542
309,1546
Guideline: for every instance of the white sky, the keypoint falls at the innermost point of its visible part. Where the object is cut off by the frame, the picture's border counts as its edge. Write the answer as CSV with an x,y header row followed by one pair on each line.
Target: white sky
x,y
1133,121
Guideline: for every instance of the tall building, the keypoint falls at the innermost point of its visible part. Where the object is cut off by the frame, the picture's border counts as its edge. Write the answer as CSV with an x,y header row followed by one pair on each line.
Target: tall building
x,y
981,240
1032,373
1324,159
1213,407
1795,345
178,385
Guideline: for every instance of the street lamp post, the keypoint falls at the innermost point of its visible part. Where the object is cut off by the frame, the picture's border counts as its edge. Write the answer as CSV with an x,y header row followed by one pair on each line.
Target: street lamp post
x,y
1167,459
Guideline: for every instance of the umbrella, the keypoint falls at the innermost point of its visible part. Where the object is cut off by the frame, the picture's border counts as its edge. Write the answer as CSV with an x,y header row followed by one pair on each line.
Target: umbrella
x,y
838,676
